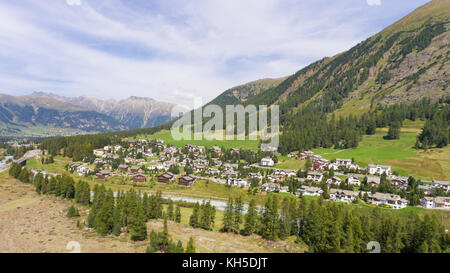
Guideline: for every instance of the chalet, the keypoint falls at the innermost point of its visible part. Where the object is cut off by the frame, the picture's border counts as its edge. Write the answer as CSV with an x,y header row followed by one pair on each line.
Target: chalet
x,y
314,176
254,175
343,195
343,162
135,169
237,182
287,173
103,174
99,152
352,180
139,178
132,143
198,168
435,202
212,171
426,189
267,162
319,164
379,169
166,177
373,181
334,180
309,191
387,199
187,180
284,189
273,187
216,151
292,154
445,185
304,155
234,151
400,182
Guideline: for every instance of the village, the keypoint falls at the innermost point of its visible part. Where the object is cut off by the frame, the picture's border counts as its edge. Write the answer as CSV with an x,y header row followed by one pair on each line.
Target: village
x,y
151,161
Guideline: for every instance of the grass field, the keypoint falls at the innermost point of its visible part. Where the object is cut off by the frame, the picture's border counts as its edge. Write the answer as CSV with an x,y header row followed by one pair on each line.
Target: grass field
x,y
400,154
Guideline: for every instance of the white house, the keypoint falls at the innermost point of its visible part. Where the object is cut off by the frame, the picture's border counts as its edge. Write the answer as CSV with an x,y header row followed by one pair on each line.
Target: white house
x,y
441,184
352,180
267,162
342,195
334,180
387,199
379,169
99,152
310,191
237,182
435,202
314,176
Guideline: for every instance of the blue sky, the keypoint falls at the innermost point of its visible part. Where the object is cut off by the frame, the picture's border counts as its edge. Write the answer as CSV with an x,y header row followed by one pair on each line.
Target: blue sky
x,y
175,50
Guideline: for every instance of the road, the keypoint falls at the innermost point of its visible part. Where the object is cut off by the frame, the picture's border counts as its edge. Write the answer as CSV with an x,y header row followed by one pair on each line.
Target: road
x,y
27,155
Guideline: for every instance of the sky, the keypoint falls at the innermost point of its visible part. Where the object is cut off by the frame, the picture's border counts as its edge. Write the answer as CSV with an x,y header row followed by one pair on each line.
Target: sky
x,y
175,50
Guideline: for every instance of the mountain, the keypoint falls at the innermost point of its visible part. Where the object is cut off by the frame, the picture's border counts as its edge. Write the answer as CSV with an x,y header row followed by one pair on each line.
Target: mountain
x,y
40,113
335,100
241,93
135,112
31,113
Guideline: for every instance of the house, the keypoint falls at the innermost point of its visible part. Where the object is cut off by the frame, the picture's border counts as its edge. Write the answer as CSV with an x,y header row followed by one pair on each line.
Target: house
x,y
334,180
319,164
387,199
292,154
254,175
139,178
314,176
166,177
216,150
267,162
212,171
237,182
270,187
373,181
343,162
99,152
441,184
123,168
187,180
135,169
352,180
304,155
435,202
400,182
426,189
103,175
234,151
310,191
379,169
343,195
287,173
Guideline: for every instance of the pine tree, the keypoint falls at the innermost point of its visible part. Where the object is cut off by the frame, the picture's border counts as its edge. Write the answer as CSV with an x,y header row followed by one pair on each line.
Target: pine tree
x,y
190,248
138,227
178,214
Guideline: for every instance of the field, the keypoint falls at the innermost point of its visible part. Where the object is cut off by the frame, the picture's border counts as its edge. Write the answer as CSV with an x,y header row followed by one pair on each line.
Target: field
x,y
400,154
32,223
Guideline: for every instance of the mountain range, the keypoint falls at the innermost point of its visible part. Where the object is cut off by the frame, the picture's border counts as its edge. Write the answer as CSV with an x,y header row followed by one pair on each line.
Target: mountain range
x,y
40,112
403,63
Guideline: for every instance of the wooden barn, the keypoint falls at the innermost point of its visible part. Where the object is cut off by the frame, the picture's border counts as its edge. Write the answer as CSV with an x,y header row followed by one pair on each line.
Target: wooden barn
x,y
187,180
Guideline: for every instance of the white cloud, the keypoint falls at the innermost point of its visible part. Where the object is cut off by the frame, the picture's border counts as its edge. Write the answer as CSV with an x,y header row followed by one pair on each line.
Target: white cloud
x,y
374,2
73,2
197,49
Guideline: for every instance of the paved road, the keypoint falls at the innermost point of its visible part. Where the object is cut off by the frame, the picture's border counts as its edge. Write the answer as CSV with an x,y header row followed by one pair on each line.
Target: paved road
x,y
27,155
